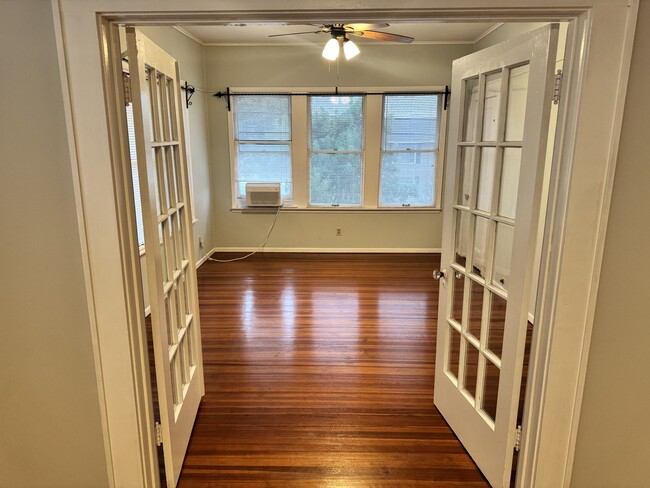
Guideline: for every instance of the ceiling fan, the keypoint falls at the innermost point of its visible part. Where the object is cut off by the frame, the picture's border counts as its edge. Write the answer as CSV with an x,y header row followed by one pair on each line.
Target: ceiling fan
x,y
340,36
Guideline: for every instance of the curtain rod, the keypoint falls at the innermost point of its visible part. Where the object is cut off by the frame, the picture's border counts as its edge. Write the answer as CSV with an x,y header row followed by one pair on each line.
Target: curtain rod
x,y
227,94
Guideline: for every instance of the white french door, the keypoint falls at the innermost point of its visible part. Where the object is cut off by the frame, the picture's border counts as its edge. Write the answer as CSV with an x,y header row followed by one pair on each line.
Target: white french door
x,y
500,105
167,218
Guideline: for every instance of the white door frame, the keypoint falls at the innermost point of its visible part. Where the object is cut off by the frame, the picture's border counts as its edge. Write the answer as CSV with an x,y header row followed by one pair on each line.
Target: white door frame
x,y
588,134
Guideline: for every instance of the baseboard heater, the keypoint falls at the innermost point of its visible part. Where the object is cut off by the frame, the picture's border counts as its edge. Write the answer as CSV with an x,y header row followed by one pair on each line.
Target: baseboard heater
x,y
263,195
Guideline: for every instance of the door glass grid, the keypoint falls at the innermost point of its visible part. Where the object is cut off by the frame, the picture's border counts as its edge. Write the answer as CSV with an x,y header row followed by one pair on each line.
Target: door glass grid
x,y
454,351
470,108
173,229
484,229
486,178
466,163
491,98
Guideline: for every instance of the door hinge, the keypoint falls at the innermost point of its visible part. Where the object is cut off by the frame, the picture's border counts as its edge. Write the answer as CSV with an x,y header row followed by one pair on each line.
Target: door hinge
x,y
159,437
126,83
518,438
557,87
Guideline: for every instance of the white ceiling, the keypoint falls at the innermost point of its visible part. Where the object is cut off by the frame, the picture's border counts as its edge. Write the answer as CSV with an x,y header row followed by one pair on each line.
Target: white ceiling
x,y
424,33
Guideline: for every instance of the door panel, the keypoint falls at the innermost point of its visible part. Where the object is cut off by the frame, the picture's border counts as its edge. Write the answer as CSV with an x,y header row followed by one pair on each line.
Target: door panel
x,y
167,218
501,100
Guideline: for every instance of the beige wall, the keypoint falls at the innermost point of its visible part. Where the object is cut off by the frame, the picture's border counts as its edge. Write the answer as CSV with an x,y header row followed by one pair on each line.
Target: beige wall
x,y
189,55
303,66
506,31
50,422
613,446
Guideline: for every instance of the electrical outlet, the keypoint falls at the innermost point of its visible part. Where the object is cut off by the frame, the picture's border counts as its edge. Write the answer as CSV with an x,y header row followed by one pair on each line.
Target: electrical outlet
x,y
339,232
201,243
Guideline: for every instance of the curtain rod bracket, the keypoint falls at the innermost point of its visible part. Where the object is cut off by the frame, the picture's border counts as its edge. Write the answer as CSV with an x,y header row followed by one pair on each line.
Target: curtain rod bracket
x,y
225,95
189,91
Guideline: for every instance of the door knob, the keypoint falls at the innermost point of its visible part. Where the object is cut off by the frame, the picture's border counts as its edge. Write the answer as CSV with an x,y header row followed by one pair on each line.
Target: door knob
x,y
437,274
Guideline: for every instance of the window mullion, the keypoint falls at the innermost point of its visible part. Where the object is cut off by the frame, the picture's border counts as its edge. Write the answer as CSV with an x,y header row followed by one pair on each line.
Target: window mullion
x,y
372,156
299,151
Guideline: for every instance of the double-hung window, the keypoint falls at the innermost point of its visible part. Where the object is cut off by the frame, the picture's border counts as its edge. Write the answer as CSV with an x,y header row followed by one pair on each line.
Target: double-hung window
x,y
262,142
350,149
335,150
409,152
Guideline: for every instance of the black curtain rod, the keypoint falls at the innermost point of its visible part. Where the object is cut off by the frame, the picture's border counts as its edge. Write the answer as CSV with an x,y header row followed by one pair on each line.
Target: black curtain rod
x,y
227,94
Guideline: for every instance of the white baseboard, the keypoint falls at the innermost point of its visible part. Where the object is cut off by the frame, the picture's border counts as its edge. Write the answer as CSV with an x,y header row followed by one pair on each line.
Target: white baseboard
x,y
204,259
376,250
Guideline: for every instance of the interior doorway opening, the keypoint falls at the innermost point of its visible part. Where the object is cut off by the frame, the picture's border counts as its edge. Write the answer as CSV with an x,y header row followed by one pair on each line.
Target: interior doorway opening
x,y
550,152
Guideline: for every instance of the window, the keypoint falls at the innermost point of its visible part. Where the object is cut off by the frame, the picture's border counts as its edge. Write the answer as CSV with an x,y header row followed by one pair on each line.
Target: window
x,y
409,150
335,150
350,149
262,137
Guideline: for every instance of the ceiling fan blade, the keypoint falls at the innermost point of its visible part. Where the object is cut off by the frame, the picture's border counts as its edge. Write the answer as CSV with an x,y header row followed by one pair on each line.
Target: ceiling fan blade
x,y
363,27
381,36
296,33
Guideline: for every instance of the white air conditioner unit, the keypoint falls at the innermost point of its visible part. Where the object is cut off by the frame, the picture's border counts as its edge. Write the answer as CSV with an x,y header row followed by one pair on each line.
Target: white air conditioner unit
x,y
263,195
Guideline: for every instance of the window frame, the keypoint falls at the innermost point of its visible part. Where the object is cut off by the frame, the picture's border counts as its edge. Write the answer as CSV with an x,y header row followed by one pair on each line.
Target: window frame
x,y
233,144
438,153
361,152
371,153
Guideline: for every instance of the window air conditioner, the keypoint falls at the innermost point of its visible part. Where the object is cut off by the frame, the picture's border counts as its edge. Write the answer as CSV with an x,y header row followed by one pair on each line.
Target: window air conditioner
x,y
263,195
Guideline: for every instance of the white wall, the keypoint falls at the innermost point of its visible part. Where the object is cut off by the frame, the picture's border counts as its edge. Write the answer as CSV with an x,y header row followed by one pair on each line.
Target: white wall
x,y
613,446
50,424
303,66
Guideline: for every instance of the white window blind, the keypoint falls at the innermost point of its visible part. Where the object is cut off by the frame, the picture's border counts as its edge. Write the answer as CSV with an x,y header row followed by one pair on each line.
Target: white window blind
x,y
262,130
134,174
335,150
409,150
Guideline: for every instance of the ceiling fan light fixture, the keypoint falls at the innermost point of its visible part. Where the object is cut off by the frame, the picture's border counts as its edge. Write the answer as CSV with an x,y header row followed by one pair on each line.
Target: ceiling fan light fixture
x,y
350,49
331,49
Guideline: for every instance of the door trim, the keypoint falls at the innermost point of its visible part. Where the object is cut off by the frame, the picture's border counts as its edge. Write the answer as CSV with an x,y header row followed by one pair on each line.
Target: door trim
x,y
542,440
604,30
491,442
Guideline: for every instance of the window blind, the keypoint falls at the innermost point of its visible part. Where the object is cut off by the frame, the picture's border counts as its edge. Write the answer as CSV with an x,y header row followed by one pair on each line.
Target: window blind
x,y
134,174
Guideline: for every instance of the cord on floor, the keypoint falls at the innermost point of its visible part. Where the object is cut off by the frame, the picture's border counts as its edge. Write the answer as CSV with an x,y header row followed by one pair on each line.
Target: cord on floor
x,y
260,247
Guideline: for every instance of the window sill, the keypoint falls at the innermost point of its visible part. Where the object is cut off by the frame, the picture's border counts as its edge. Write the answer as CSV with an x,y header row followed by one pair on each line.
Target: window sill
x,y
387,210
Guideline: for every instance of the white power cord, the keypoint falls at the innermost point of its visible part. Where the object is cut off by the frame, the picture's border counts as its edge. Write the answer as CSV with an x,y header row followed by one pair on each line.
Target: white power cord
x,y
261,246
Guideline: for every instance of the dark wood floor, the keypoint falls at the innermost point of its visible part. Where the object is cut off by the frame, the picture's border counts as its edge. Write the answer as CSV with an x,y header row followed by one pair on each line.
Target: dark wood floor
x,y
319,372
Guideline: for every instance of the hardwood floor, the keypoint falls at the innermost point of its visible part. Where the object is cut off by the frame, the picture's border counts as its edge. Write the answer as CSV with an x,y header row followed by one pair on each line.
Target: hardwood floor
x,y
319,372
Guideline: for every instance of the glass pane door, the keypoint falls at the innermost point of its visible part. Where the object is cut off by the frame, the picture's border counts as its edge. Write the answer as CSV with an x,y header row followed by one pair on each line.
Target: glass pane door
x,y
498,131
488,179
